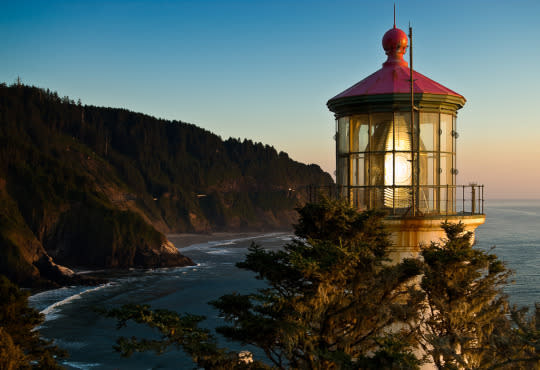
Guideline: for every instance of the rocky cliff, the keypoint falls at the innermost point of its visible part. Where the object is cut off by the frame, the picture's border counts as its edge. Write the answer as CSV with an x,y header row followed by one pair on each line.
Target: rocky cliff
x,y
84,186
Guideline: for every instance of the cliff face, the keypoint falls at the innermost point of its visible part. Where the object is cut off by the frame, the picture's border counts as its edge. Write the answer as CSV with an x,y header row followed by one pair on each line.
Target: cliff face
x,y
95,187
83,235
98,237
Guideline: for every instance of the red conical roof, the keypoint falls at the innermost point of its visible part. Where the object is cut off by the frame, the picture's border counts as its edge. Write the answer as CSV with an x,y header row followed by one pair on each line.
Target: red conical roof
x,y
394,76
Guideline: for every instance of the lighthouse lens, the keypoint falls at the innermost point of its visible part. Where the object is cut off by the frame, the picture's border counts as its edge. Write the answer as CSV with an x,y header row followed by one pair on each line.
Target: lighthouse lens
x,y
403,169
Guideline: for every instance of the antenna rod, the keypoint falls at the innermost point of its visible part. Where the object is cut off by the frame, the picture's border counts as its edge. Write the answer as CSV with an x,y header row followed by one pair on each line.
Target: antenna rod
x,y
394,15
413,133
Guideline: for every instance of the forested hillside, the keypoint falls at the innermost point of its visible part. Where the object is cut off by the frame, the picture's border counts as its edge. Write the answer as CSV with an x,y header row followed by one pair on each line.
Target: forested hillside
x,y
98,187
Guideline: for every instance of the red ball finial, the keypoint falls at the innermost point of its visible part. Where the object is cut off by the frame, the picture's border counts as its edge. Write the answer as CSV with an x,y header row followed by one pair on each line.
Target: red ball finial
x,y
395,43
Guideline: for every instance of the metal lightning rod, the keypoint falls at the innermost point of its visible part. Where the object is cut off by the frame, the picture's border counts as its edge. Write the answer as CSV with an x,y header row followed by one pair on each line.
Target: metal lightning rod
x,y
413,133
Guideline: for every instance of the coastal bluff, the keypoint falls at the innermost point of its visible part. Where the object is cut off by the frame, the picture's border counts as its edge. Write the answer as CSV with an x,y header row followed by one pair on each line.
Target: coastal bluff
x,y
92,187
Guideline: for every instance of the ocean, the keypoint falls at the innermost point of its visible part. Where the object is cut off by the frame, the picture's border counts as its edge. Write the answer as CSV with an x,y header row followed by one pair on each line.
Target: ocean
x,y
512,227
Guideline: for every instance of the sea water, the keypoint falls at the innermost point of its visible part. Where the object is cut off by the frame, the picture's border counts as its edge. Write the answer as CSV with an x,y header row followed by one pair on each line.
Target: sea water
x,y
512,227
512,232
72,322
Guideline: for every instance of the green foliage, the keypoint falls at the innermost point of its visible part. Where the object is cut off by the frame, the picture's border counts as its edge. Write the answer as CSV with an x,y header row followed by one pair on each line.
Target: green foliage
x,y
20,344
330,300
180,331
11,356
390,355
466,313
523,350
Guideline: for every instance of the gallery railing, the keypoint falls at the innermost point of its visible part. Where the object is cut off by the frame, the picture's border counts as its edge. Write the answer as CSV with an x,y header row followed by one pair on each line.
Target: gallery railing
x,y
432,200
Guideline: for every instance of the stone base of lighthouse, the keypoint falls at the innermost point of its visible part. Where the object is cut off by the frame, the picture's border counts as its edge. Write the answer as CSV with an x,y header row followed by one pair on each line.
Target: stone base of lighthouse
x,y
409,233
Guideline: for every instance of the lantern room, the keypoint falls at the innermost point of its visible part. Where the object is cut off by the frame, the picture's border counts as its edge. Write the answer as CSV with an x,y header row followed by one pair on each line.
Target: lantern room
x,y
396,150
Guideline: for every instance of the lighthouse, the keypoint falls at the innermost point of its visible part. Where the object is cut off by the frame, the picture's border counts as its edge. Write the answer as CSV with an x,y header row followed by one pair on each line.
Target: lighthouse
x,y
396,133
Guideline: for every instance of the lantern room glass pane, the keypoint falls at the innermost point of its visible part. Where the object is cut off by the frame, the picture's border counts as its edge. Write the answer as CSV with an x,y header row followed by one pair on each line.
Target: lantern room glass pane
x,y
381,124
429,123
426,198
428,168
358,198
454,137
359,133
343,135
397,163
446,177
357,170
402,136
455,170
376,169
376,197
342,171
445,199
428,181
446,132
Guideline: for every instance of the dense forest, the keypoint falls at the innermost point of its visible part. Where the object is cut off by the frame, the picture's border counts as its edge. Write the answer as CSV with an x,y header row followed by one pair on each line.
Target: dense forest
x,y
88,186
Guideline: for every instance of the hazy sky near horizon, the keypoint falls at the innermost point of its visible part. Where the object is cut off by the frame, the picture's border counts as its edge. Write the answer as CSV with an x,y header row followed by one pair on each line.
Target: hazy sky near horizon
x,y
264,70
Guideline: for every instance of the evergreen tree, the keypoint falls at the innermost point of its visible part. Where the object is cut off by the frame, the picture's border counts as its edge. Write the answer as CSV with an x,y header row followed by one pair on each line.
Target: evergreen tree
x,y
20,344
525,339
332,295
11,356
467,323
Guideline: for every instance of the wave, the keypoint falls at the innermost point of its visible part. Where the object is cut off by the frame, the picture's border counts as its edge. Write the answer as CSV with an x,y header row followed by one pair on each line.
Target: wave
x,y
216,243
80,365
51,311
221,251
164,270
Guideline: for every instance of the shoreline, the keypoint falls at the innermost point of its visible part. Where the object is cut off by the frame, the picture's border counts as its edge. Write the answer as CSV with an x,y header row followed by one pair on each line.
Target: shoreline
x,y
86,277
185,240
101,278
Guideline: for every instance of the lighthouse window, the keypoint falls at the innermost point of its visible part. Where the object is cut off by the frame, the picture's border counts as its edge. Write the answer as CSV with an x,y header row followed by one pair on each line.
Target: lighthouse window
x,y
358,198
446,132
428,168
454,166
357,170
359,133
376,166
455,135
446,169
341,171
428,128
381,124
343,135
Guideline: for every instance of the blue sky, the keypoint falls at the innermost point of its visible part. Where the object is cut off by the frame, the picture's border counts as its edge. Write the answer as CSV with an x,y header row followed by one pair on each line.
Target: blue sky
x,y
264,69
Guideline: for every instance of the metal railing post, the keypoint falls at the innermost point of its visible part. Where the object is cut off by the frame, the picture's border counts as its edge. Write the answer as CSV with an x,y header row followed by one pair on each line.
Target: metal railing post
x,y
446,199
473,200
463,199
482,210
